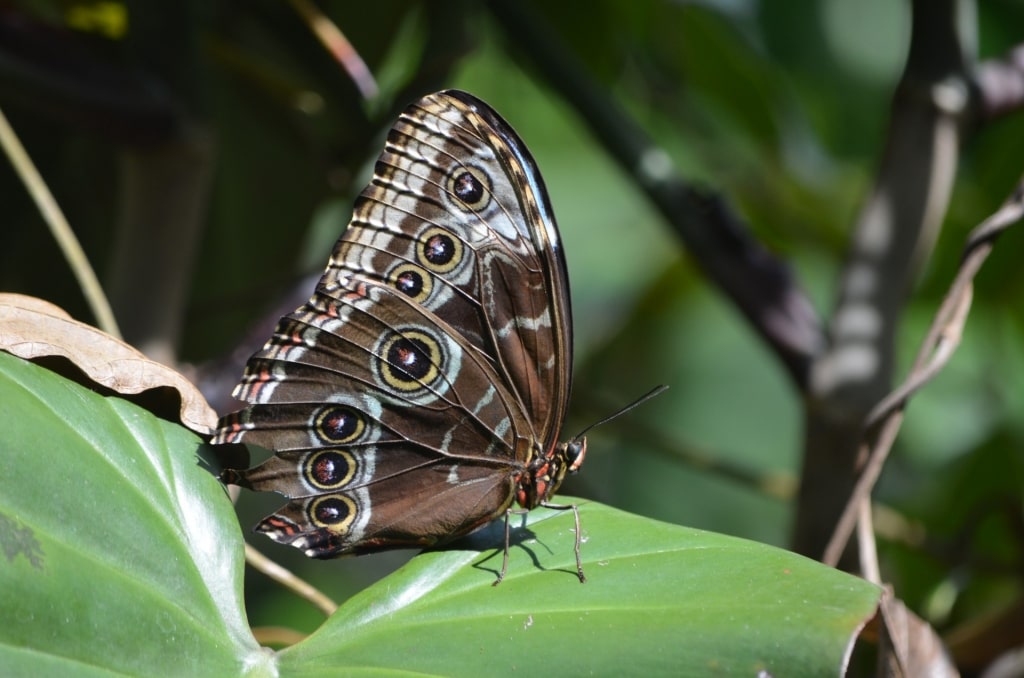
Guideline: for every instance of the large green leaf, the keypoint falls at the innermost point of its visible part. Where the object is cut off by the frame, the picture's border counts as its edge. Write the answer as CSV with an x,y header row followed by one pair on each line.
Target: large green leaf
x,y
660,600
123,555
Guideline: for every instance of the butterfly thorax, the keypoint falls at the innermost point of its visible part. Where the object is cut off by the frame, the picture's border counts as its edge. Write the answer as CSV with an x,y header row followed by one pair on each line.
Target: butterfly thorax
x,y
545,473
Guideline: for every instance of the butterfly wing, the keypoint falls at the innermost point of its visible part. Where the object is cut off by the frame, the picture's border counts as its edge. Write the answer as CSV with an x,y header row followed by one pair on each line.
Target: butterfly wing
x,y
432,363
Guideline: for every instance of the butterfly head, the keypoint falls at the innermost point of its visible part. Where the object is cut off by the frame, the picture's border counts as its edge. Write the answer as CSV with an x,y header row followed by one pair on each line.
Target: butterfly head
x,y
546,472
575,452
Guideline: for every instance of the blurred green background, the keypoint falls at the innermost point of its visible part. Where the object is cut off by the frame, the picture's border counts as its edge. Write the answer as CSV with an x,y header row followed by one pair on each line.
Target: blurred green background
x,y
779,107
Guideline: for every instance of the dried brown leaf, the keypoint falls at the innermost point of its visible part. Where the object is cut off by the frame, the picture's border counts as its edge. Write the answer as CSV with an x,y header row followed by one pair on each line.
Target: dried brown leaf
x,y
909,645
36,330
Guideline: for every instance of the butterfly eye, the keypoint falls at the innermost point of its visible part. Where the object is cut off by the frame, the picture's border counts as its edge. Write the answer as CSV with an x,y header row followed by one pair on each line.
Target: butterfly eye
x,y
471,186
575,452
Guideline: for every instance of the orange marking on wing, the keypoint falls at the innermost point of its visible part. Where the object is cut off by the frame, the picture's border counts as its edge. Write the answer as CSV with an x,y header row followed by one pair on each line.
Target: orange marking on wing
x,y
280,525
234,432
257,384
359,291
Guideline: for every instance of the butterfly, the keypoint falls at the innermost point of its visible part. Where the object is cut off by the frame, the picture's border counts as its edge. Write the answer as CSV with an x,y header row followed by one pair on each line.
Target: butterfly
x,y
420,392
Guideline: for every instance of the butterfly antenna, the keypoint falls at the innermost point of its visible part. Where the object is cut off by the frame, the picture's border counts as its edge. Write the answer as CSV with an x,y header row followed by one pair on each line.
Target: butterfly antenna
x,y
657,390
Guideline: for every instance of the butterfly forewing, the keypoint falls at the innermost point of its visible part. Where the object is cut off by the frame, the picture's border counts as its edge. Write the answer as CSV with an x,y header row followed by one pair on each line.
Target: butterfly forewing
x,y
407,398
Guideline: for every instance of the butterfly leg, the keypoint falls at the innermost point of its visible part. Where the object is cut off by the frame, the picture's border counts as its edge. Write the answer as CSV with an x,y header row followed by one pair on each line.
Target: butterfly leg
x,y
508,537
555,507
576,515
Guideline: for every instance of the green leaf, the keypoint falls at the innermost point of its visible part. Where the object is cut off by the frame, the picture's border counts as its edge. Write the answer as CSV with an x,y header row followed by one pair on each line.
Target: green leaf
x,y
122,553
660,599
123,556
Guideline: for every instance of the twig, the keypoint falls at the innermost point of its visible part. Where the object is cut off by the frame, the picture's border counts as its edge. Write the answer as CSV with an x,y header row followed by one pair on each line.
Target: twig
x,y
277,636
331,37
286,578
866,538
59,227
938,346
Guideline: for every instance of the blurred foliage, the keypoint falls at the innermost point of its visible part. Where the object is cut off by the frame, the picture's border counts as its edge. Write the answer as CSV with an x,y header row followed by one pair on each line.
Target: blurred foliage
x,y
779,107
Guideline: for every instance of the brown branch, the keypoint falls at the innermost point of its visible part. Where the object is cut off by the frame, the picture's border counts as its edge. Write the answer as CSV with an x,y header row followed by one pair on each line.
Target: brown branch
x,y
894,234
936,349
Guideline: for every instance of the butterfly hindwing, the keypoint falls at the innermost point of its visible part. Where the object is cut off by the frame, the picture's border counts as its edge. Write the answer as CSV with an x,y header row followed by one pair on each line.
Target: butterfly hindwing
x,y
408,397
